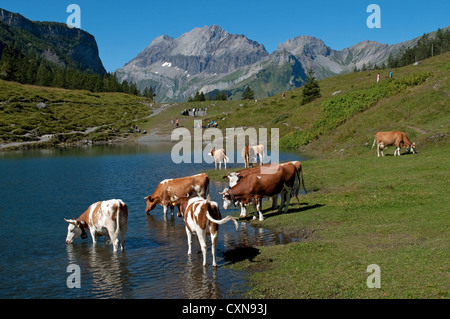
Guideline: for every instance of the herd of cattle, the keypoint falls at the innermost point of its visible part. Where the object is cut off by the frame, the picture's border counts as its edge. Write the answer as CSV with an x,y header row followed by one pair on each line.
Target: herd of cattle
x,y
190,195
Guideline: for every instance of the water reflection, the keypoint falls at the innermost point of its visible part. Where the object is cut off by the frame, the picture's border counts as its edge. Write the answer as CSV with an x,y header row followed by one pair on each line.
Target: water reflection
x,y
105,272
192,279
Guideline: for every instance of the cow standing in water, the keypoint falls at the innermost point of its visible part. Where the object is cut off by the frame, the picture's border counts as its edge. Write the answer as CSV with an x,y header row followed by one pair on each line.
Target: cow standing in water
x,y
108,218
399,139
169,191
201,215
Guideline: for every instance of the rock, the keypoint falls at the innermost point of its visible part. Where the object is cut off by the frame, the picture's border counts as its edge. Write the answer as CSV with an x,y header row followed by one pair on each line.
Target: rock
x,y
41,105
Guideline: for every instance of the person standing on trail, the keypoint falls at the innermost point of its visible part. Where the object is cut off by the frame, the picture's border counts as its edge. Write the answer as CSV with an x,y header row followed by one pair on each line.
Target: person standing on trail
x,y
378,77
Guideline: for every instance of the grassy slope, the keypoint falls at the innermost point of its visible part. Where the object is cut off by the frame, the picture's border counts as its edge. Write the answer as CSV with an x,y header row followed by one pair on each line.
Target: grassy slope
x,y
392,212
409,110
67,111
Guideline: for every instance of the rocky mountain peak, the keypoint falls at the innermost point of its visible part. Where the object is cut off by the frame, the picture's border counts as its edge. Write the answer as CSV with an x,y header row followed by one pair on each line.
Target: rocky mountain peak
x,y
209,49
305,45
59,43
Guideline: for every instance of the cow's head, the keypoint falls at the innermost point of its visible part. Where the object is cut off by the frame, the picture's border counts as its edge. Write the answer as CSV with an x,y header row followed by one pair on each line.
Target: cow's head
x,y
211,153
226,196
151,203
233,177
412,148
75,230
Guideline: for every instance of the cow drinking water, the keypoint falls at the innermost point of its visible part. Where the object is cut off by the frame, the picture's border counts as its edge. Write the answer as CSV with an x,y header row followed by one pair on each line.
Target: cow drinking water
x,y
108,218
169,191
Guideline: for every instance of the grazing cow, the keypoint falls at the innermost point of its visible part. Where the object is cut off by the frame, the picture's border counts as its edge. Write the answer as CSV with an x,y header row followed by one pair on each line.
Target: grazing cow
x,y
252,188
102,218
219,156
399,139
169,191
199,214
250,153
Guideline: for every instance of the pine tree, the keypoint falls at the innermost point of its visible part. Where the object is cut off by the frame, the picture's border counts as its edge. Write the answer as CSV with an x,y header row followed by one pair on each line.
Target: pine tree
x,y
8,67
248,93
150,93
311,89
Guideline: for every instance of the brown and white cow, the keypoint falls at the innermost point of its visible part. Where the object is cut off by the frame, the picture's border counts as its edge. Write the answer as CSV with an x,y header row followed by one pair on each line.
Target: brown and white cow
x,y
234,178
250,153
201,215
169,191
219,157
252,188
397,138
107,218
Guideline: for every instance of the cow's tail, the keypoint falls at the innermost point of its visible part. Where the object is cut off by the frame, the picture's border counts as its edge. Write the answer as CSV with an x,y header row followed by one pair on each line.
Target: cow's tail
x,y
301,181
225,157
374,142
223,221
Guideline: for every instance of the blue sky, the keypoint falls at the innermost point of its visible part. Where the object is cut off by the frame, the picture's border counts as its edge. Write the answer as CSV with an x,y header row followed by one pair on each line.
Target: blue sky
x,y
124,28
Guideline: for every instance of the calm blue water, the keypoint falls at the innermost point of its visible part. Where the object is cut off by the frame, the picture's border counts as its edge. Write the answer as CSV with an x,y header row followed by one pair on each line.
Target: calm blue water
x,y
38,189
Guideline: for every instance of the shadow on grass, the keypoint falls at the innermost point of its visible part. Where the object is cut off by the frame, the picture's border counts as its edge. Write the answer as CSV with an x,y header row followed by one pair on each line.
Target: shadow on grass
x,y
293,208
239,254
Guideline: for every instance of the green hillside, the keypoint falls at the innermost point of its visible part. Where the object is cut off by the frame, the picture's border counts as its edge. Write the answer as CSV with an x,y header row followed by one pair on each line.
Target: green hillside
x,y
27,113
353,107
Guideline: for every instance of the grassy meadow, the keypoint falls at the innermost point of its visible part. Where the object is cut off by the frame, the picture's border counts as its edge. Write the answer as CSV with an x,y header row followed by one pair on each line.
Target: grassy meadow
x,y
391,211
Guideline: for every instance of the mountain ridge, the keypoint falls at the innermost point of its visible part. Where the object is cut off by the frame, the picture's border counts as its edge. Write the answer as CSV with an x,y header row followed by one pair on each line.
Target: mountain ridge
x,y
209,58
54,41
